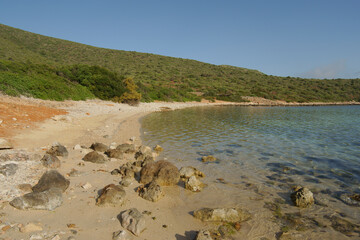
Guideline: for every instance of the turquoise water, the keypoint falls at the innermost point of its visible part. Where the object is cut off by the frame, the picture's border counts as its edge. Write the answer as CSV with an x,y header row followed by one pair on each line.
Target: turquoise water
x,y
309,145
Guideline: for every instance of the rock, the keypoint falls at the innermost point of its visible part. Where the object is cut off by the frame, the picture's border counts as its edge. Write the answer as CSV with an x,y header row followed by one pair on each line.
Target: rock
x,y
209,158
187,172
115,153
126,181
352,200
50,161
126,148
86,186
164,172
203,235
133,221
222,215
76,173
226,230
122,235
31,227
194,184
58,150
127,170
51,179
302,197
8,169
94,157
151,192
77,147
111,195
5,144
46,200
100,147
115,172
25,187
158,148
144,153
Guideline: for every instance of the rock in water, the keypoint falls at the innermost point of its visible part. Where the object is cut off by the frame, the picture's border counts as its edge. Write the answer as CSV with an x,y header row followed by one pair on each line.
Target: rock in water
x,y
122,235
8,169
50,161
111,195
58,150
5,144
158,149
100,147
133,221
302,197
194,184
222,215
151,192
203,235
209,158
164,172
46,200
51,179
94,157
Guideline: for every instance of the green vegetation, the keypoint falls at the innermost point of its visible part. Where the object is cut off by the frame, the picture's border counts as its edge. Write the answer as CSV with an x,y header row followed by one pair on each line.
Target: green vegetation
x,y
157,77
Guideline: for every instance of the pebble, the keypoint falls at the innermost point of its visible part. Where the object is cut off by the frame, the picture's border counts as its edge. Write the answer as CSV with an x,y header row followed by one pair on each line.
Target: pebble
x,y
14,119
86,186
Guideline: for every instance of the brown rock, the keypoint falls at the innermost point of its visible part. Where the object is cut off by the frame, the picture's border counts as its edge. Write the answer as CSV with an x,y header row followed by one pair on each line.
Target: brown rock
x,y
302,197
51,179
209,158
100,147
164,172
50,161
111,195
94,157
115,153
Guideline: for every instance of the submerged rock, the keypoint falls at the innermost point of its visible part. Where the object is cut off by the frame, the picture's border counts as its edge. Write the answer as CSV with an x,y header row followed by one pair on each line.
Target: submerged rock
x,y
302,197
111,195
351,199
50,161
99,147
51,179
133,221
209,158
58,150
222,215
164,172
94,157
8,169
151,192
158,149
45,200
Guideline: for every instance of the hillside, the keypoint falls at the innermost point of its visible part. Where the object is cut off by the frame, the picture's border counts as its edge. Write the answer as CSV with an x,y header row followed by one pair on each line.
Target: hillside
x,y
158,77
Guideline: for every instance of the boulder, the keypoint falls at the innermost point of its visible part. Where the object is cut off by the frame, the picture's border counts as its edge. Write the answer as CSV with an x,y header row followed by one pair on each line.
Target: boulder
x,y
127,170
50,161
94,157
5,144
187,172
126,148
111,196
8,169
122,235
100,147
45,200
133,221
194,184
164,172
222,215
151,192
51,179
302,197
209,158
58,150
203,235
114,153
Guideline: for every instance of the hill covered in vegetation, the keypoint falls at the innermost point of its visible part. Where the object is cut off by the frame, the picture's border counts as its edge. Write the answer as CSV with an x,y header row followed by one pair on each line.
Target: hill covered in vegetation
x,y
50,68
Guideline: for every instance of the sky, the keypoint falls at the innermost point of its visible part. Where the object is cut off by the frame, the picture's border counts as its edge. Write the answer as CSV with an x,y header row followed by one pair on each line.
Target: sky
x,y
307,38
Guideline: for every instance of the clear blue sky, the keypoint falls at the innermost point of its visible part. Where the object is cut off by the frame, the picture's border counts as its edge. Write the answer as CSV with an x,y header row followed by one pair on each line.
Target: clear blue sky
x,y
306,38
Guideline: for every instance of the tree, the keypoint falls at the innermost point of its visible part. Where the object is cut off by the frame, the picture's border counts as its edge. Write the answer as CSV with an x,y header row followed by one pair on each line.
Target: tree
x,y
130,96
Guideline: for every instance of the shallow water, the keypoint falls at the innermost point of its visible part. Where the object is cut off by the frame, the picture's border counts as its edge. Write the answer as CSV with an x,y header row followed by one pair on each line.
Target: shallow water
x,y
269,148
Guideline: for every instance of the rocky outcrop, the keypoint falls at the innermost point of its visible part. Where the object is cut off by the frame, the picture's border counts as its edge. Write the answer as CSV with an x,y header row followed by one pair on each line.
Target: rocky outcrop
x,y
126,148
151,191
302,197
51,179
133,221
222,215
164,172
99,147
50,161
8,169
94,157
5,144
111,196
58,150
45,200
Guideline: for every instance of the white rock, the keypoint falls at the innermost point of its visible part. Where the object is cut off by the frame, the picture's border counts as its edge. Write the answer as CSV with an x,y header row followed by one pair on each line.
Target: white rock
x,y
77,147
14,119
86,186
1,121
36,237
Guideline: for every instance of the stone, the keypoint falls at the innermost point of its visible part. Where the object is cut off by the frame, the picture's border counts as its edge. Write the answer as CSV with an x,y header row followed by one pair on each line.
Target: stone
x,y
352,200
8,169
86,186
122,235
115,172
126,181
51,179
164,172
45,200
203,235
111,196
187,172
144,153
126,148
5,144
209,158
94,157
76,173
31,227
77,147
99,147
226,230
58,150
25,187
151,192
302,197
115,153
133,221
194,184
50,161
222,215
127,170
158,148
